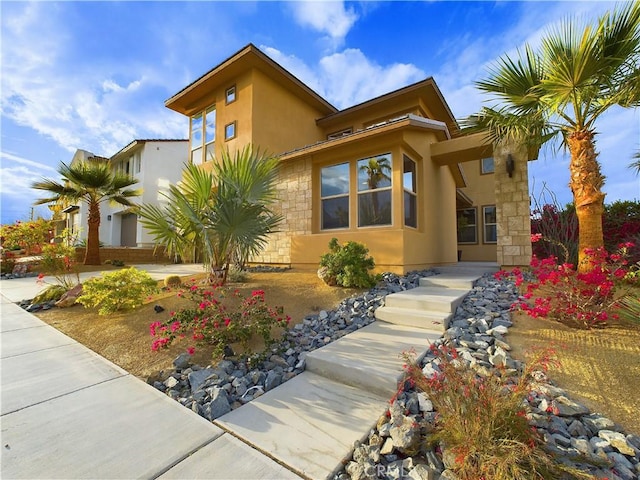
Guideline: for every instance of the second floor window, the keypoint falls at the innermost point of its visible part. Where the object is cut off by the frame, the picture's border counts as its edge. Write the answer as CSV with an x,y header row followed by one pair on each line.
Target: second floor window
x,y
203,135
486,166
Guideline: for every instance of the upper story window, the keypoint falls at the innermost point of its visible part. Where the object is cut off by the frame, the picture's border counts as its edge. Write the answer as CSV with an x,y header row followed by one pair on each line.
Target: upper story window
x,y
467,223
410,192
230,131
203,135
374,191
137,163
486,166
230,95
334,196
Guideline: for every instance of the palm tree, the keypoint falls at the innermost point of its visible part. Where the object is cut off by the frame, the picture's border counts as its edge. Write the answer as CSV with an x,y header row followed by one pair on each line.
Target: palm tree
x,y
636,163
92,181
576,76
223,215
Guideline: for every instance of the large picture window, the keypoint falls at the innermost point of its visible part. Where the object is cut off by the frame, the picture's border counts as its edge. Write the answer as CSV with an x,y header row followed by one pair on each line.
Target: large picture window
x,y
203,135
334,193
410,197
374,191
490,224
467,223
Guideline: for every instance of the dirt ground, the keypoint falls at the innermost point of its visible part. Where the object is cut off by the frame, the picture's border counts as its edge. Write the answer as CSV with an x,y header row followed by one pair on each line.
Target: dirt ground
x,y
124,337
600,368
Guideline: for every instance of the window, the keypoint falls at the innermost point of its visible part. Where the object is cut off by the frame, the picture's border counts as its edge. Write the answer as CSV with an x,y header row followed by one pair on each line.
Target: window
x,y
486,166
467,223
138,163
230,95
409,185
374,191
230,131
490,224
334,194
203,135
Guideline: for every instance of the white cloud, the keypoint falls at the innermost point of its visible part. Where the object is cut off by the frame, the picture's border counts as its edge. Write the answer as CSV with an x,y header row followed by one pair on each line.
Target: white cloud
x,y
330,18
25,161
349,77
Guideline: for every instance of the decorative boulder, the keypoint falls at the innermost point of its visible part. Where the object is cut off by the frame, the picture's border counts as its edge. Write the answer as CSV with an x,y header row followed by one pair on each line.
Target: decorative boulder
x,y
69,299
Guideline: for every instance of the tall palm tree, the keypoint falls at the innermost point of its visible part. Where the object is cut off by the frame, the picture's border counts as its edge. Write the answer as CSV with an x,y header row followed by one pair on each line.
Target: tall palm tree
x,y
222,215
93,182
636,163
577,74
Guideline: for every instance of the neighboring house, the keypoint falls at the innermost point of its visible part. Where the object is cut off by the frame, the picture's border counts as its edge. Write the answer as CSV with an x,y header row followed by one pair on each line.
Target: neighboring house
x,y
394,173
156,164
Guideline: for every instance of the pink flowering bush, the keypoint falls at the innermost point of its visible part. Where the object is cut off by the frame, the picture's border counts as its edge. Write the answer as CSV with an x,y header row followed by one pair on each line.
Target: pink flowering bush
x,y
582,300
217,318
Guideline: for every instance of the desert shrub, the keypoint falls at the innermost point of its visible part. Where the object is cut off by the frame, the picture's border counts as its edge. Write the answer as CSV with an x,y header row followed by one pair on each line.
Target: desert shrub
x,y
237,274
59,261
347,265
621,224
117,263
482,420
119,290
218,318
52,292
172,281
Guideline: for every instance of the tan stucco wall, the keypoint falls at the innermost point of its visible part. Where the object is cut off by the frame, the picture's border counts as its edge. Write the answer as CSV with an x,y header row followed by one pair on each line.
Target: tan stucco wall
x,y
481,190
281,121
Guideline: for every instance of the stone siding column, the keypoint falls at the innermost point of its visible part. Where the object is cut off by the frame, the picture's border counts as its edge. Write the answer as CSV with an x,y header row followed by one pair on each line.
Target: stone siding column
x,y
512,207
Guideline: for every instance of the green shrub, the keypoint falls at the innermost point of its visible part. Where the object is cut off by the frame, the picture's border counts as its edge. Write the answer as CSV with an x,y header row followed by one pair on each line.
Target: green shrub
x,y
119,290
172,281
347,265
237,275
117,263
52,292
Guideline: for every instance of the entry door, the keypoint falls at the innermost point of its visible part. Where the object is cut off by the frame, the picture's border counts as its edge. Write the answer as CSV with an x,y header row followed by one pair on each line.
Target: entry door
x,y
128,228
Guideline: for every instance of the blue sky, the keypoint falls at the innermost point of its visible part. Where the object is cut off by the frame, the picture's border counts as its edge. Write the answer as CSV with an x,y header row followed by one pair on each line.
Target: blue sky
x,y
95,75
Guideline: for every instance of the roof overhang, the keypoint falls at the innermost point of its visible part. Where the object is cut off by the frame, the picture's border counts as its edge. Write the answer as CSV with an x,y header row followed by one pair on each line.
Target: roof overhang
x,y
462,149
408,121
188,100
426,89
70,209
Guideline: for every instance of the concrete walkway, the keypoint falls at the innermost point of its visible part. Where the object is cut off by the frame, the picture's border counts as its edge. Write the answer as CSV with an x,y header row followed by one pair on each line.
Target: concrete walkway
x,y
69,413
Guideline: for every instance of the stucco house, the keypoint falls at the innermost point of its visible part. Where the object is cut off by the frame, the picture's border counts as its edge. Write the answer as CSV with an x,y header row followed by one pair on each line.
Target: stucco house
x,y
394,172
156,164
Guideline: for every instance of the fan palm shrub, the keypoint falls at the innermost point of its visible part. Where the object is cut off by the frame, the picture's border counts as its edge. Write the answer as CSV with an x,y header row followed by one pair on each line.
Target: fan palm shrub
x,y
220,217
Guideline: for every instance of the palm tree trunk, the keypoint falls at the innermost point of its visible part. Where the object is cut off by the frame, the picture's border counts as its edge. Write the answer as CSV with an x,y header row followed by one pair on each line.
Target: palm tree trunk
x,y
92,252
586,184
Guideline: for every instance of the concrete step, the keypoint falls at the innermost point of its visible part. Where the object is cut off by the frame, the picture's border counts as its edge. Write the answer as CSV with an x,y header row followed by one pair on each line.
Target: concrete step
x,y
451,280
436,299
462,268
308,423
434,321
371,358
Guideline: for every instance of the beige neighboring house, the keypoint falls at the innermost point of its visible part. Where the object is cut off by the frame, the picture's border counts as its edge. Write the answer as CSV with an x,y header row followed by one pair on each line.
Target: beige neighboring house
x,y
394,172
156,164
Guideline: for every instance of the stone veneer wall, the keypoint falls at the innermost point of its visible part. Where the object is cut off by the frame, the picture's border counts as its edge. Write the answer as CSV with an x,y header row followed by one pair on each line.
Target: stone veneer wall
x,y
512,207
294,192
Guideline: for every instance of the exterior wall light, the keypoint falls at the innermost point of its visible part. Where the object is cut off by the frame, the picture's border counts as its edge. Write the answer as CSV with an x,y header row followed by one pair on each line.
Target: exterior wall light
x,y
511,165
109,216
